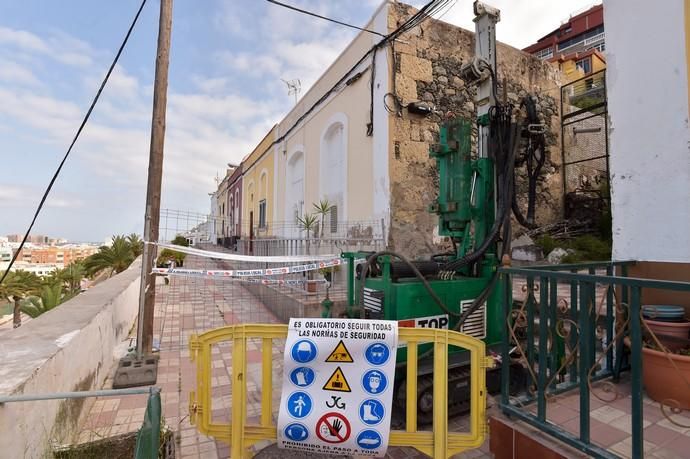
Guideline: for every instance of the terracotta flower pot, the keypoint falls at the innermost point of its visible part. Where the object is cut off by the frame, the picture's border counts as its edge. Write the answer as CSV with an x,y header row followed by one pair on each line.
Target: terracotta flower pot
x,y
311,286
662,381
673,329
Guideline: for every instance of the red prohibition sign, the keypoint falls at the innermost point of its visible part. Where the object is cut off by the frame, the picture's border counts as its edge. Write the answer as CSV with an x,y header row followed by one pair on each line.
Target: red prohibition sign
x,y
333,428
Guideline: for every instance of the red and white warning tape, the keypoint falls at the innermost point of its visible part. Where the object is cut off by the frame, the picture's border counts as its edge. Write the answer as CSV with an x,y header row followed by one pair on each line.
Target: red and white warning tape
x,y
249,272
249,280
245,258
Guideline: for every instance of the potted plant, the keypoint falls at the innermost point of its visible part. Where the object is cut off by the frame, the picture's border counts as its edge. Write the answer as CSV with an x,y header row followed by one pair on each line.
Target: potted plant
x,y
666,371
328,273
308,223
322,209
667,322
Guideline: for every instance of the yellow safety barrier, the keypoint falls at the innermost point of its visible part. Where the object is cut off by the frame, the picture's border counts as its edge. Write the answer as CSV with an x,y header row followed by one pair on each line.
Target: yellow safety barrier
x,y
438,443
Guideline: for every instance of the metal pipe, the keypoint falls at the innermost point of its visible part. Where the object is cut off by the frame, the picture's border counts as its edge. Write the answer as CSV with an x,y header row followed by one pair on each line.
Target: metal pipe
x,y
80,394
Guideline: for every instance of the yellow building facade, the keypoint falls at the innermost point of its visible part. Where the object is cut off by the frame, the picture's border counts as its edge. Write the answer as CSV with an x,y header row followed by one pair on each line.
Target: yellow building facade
x,y
578,65
258,199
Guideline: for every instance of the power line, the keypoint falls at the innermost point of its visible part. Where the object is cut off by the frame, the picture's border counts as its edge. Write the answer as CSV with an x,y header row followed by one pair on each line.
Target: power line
x,y
74,140
309,13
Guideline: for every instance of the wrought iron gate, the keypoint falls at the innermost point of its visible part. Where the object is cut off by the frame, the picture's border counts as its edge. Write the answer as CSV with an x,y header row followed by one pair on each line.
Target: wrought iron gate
x,y
585,146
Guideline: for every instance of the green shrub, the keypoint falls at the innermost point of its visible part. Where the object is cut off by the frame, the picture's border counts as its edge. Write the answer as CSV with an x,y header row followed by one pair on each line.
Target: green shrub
x,y
180,240
168,255
591,248
585,248
547,243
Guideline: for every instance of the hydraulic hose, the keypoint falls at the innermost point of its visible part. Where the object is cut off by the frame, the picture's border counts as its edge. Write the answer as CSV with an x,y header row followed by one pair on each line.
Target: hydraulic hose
x,y
420,276
504,206
535,163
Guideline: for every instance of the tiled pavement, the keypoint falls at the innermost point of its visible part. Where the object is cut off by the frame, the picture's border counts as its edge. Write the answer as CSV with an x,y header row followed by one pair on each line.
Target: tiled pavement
x,y
190,305
611,421
184,307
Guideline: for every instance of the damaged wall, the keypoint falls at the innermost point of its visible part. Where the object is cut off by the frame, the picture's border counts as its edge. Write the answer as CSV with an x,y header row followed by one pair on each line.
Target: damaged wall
x,y
427,64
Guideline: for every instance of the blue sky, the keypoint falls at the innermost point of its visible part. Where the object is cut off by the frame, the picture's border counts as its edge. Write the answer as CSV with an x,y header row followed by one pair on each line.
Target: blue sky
x,y
225,91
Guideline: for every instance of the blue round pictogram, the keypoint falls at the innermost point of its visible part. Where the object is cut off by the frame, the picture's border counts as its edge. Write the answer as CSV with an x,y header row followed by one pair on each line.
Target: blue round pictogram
x,y
374,382
377,353
296,432
369,439
371,412
299,405
304,351
302,376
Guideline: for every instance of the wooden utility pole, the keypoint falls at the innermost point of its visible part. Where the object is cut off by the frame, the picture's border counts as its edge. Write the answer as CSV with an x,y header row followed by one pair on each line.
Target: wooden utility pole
x,y
147,293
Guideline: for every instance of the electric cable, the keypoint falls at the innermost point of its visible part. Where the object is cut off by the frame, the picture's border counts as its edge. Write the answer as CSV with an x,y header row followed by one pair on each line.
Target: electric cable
x,y
309,13
74,140
420,16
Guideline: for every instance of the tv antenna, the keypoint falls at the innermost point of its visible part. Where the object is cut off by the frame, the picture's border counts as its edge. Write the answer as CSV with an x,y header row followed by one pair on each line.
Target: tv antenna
x,y
294,87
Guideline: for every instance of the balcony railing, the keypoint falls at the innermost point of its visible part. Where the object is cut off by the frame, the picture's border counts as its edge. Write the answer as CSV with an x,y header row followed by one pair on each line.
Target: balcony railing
x,y
595,39
575,332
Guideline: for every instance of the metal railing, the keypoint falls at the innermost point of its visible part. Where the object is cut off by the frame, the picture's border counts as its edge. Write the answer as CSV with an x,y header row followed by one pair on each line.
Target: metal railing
x,y
594,39
304,246
148,437
241,434
569,340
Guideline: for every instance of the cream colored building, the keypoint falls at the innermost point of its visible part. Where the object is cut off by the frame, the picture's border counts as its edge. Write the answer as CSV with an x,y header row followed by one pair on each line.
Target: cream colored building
x,y
343,142
258,189
351,140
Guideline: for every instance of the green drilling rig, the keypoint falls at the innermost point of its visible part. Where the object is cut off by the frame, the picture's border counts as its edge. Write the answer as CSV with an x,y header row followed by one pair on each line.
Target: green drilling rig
x,y
459,290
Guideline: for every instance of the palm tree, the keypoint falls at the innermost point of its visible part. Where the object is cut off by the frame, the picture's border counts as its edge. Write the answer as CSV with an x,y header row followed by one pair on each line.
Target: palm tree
x,y
17,286
51,296
307,222
136,243
71,276
117,257
323,208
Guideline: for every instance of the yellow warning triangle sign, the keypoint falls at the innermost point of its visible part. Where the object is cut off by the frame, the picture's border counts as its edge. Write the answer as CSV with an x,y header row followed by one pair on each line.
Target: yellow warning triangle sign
x,y
340,354
337,382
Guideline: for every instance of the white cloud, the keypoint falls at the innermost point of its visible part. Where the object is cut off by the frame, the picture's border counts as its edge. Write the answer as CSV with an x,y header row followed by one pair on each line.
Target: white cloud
x,y
211,85
58,46
17,73
22,39
15,196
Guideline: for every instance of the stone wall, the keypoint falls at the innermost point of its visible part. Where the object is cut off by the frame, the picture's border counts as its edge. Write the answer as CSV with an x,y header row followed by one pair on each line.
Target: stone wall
x,y
427,63
70,348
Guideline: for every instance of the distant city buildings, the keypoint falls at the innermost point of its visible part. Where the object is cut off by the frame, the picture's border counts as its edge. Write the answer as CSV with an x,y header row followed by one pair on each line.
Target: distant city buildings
x,y
42,254
34,239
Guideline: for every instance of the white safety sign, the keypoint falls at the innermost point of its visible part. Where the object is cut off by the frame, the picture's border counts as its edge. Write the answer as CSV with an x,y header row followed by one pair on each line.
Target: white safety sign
x,y
338,386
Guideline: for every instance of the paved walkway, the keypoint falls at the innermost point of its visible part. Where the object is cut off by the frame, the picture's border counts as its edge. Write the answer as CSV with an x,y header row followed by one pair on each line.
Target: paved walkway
x,y
194,305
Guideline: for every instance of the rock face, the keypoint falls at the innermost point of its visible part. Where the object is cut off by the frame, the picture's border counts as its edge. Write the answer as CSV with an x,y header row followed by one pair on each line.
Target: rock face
x,y
427,68
524,249
556,256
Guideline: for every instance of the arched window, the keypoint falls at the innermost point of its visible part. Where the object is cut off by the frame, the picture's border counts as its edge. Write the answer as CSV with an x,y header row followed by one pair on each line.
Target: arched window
x,y
263,193
237,211
231,216
251,215
333,170
294,190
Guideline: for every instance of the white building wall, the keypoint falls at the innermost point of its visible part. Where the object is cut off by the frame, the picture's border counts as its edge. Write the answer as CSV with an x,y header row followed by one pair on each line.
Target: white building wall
x,y
382,125
647,77
358,180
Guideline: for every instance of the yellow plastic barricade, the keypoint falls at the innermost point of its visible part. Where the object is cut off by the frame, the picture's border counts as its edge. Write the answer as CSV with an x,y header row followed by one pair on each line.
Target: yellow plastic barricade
x,y
240,435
